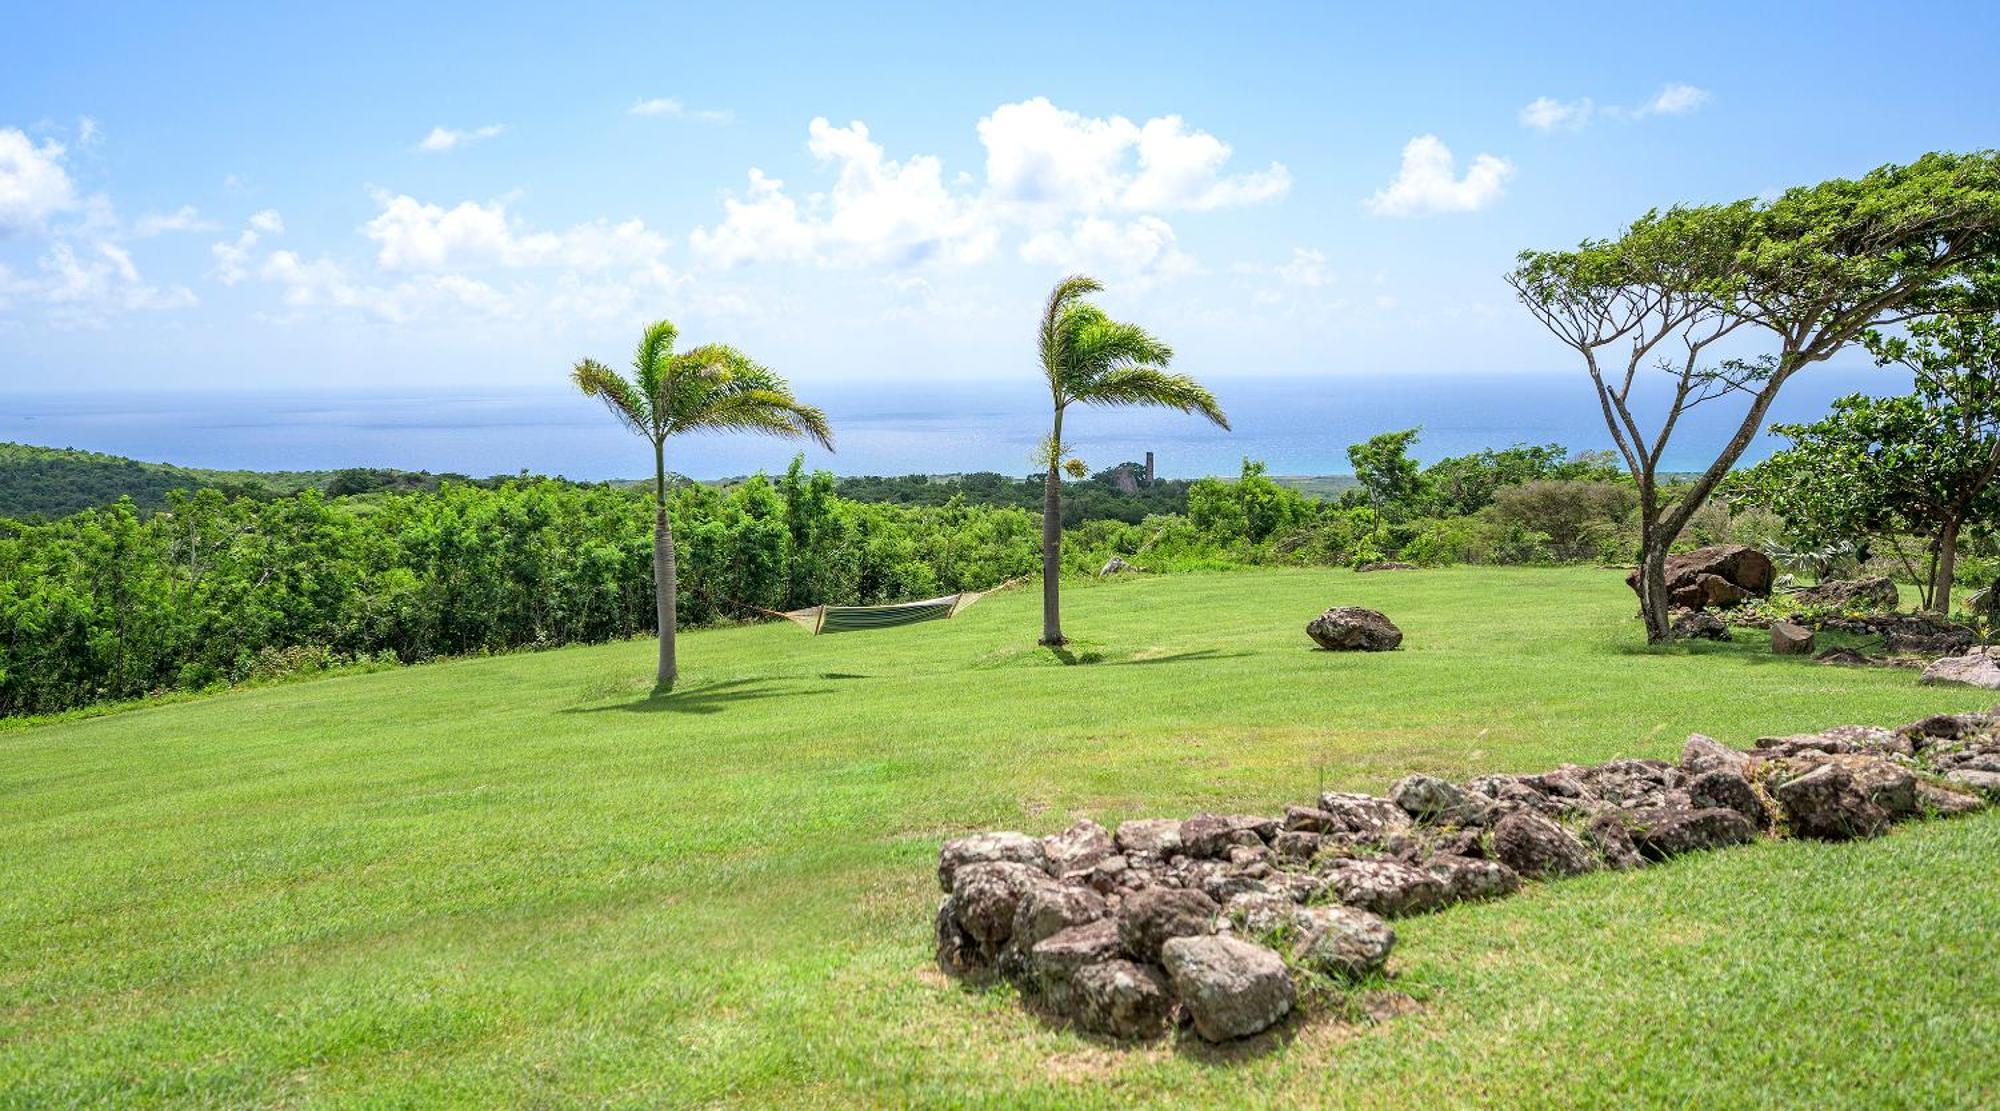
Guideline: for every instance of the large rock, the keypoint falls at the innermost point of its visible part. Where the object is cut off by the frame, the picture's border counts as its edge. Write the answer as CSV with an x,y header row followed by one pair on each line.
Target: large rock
x,y
1824,803
1151,916
1728,790
1153,836
1212,836
1054,961
1715,576
1535,846
1121,999
984,848
1351,628
1386,887
1946,803
1876,592
1079,848
1698,625
1341,942
1232,988
1974,669
1468,879
1706,754
1426,797
1788,639
1664,834
1363,815
1046,910
1985,782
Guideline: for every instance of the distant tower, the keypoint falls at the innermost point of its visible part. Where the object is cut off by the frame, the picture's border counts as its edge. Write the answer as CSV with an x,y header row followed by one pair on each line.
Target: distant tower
x,y
1149,468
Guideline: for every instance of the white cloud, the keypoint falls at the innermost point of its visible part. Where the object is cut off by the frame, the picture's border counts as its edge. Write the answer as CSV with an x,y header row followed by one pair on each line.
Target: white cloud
x,y
878,211
1141,249
268,221
85,289
1548,114
322,283
412,235
1306,268
445,138
1042,156
1674,100
184,218
232,257
88,134
672,108
33,183
1427,182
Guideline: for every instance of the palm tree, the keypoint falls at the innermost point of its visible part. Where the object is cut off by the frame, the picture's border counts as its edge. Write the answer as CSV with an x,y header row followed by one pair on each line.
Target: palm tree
x,y
1091,358
709,388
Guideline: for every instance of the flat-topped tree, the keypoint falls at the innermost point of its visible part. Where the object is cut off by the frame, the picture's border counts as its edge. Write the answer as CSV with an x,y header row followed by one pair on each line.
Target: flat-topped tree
x,y
713,388
1090,358
1807,273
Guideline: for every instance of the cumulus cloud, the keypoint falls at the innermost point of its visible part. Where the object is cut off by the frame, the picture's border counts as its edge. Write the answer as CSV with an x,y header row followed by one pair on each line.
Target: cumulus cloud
x,y
1548,114
1674,100
1066,181
1428,182
1306,267
33,183
83,289
413,235
324,283
445,138
232,257
184,218
672,108
1143,248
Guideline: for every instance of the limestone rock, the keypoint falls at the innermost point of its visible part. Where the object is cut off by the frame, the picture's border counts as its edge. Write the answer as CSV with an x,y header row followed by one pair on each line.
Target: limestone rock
x,y
1342,942
1386,887
1823,803
1876,592
1351,628
1079,848
1975,669
1151,916
982,848
1706,754
1467,879
1535,846
1729,791
1122,999
1156,836
1670,833
1426,797
1230,987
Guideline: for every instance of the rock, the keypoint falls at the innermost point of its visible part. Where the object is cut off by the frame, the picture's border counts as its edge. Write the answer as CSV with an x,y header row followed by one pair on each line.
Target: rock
x,y
1079,848
1946,803
1213,836
1706,754
1718,575
1306,819
1535,846
1341,942
1159,837
985,898
1426,797
1788,639
1670,833
982,848
1151,916
958,952
1055,960
1975,669
1824,803
1698,625
1728,790
1364,815
1231,987
1846,657
1259,912
1046,910
1876,592
1882,782
1351,628
1467,879
1607,834
1986,783
1384,565
1386,887
1121,999
1297,847
1114,566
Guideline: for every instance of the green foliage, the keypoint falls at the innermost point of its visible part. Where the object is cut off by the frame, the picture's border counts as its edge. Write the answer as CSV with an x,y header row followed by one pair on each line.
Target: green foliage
x,y
1576,519
1391,481
1119,493
1463,485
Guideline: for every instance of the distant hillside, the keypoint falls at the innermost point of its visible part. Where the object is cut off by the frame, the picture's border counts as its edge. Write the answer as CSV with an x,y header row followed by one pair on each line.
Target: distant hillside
x,y
43,482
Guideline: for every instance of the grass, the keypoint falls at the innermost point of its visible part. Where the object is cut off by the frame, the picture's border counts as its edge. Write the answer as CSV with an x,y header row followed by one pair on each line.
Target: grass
x,y
527,880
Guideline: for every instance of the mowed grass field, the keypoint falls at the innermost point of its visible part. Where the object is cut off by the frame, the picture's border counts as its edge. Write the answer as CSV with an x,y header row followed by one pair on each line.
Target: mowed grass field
x,y
524,880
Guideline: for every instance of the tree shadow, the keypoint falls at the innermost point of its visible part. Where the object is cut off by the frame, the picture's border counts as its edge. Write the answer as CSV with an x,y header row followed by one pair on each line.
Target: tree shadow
x,y
711,699
1189,656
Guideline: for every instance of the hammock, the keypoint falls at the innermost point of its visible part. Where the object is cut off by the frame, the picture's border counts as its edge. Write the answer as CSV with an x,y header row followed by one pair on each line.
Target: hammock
x,y
854,619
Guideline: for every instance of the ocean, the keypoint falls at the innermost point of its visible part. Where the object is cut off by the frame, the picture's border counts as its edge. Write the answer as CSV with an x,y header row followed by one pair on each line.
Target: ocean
x,y
1298,426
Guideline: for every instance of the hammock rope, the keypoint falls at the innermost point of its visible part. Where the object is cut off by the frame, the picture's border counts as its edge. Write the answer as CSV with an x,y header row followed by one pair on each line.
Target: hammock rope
x,y
851,619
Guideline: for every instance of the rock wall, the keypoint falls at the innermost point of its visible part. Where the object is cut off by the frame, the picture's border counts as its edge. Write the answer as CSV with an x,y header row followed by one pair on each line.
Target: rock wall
x,y
1218,920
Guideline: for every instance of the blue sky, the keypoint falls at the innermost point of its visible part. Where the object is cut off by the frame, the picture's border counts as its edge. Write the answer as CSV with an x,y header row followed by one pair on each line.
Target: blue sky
x,y
450,196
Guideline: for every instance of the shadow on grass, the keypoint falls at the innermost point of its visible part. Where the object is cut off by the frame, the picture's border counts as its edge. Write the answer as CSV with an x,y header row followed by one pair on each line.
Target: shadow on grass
x,y
1089,656
711,699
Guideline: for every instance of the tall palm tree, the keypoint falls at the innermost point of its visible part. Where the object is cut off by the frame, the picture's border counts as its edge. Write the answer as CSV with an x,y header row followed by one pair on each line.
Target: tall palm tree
x,y
1091,358
709,388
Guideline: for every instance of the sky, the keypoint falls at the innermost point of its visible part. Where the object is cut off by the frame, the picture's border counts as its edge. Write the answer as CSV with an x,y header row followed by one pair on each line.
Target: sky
x,y
472,197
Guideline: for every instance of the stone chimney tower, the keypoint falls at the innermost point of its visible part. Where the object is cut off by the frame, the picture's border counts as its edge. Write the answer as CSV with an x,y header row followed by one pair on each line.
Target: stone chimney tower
x,y
1149,468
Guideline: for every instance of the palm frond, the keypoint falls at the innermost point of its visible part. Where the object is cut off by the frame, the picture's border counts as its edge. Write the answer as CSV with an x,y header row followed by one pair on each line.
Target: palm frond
x,y
1064,299
650,361
632,408
1145,385
771,412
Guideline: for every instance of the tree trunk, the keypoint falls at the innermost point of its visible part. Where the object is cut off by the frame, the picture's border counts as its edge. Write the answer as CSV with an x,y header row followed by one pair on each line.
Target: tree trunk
x,y
1653,585
1052,635
1946,568
666,575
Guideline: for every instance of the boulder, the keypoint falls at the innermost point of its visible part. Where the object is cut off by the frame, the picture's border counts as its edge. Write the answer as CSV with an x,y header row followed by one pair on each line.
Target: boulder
x,y
1714,576
1351,628
1297,846
1046,910
1788,639
1363,815
1426,797
1706,754
1114,566
1535,846
1055,960
1946,803
1698,625
1151,916
1670,833
1467,879
1824,803
984,848
1260,912
1121,999
1607,834
1876,592
1985,782
1728,790
1974,669
1230,987
1154,836
985,899
1079,848
1386,887
1341,942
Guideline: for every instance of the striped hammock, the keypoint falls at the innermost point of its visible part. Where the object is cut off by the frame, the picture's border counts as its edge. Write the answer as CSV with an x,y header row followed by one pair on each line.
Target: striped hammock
x,y
855,619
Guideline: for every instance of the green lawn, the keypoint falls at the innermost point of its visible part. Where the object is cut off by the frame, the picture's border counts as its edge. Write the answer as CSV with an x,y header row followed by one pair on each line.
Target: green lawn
x,y
523,880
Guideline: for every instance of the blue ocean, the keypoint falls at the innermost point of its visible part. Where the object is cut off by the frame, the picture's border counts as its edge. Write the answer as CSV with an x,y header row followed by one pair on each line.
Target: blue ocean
x,y
1299,425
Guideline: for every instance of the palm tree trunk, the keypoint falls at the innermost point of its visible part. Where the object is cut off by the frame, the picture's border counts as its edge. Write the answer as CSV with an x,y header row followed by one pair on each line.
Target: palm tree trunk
x,y
666,575
1052,541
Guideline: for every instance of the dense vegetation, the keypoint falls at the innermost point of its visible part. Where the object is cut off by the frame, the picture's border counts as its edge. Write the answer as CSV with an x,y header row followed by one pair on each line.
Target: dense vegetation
x,y
1120,493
